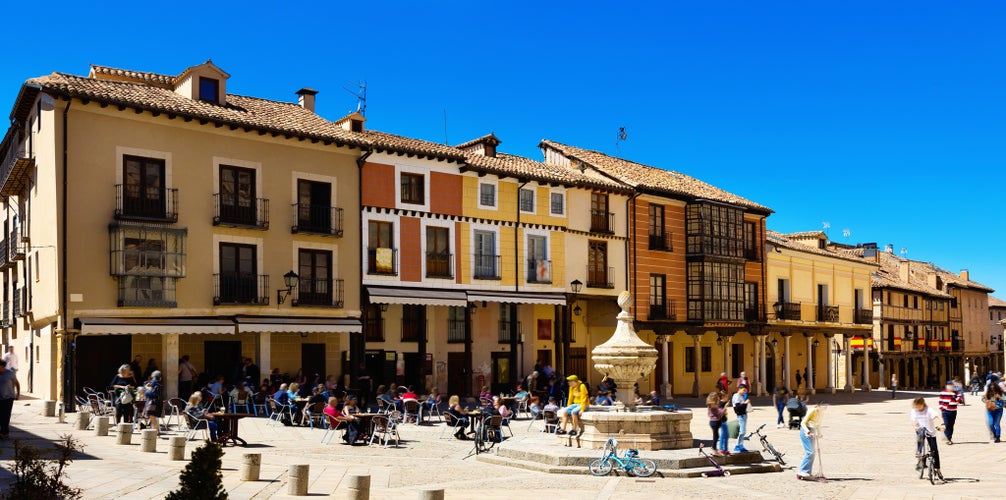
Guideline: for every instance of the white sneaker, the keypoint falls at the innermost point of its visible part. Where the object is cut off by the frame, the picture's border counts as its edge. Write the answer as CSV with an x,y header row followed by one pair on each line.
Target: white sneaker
x,y
778,426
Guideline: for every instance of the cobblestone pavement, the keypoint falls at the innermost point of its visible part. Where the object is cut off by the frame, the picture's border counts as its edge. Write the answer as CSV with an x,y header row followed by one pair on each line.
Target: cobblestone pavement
x,y
867,448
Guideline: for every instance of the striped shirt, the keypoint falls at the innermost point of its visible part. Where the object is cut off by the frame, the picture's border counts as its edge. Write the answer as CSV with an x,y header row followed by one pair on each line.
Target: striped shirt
x,y
949,400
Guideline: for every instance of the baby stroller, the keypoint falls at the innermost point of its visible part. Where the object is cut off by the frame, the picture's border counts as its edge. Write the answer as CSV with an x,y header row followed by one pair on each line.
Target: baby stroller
x,y
797,410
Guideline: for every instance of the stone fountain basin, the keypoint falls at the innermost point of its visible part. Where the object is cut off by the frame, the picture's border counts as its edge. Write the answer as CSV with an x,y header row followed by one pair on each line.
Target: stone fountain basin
x,y
653,428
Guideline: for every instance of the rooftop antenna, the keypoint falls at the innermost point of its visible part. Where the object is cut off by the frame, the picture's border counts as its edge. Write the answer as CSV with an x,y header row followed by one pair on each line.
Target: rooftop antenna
x,y
904,251
361,95
445,128
846,233
827,226
619,137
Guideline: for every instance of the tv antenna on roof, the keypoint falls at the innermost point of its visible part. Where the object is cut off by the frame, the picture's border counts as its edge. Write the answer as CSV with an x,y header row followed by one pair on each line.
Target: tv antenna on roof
x,y
619,137
846,233
827,226
904,251
361,95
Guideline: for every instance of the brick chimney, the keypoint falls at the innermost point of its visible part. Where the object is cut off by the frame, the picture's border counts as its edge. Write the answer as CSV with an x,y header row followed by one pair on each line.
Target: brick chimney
x,y
905,270
306,98
965,274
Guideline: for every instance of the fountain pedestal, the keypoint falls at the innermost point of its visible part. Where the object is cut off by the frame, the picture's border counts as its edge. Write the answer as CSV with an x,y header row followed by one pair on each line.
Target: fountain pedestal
x,y
625,358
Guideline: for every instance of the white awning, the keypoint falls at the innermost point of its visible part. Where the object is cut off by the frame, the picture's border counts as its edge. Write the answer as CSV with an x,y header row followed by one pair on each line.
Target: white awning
x,y
555,299
298,325
416,296
155,326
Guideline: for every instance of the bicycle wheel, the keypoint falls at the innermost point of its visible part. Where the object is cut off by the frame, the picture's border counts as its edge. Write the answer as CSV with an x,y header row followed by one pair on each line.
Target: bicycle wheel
x,y
643,467
778,456
600,467
931,469
922,466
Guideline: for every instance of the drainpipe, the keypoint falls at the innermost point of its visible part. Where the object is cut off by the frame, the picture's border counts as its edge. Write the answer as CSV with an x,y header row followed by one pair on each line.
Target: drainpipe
x,y
358,341
68,343
516,287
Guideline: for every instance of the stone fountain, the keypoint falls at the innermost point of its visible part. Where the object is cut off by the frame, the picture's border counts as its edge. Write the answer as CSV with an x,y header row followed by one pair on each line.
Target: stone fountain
x,y
625,358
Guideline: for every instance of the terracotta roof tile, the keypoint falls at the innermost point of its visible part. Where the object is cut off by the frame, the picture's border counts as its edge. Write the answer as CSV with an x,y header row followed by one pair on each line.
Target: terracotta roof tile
x,y
491,137
996,302
651,178
784,240
383,141
889,274
521,167
805,235
137,76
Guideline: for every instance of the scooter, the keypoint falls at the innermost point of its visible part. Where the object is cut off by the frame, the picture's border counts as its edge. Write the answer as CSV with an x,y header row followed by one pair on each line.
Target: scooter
x,y
720,471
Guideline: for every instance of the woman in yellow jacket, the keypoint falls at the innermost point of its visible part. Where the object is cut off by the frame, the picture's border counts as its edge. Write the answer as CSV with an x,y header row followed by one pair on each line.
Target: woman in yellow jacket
x,y
578,402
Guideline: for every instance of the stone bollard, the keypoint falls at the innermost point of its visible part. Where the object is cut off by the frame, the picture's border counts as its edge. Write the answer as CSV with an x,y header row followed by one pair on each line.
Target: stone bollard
x,y
48,408
125,435
431,494
176,448
83,420
61,412
251,464
358,487
148,440
297,479
101,426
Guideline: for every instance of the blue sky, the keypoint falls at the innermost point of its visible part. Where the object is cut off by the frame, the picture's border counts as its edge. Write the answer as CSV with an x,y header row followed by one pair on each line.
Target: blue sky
x,y
884,118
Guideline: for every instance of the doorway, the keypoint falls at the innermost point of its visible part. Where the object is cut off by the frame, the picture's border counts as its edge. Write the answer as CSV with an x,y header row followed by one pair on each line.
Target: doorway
x,y
223,357
312,361
500,373
456,371
98,357
411,375
381,367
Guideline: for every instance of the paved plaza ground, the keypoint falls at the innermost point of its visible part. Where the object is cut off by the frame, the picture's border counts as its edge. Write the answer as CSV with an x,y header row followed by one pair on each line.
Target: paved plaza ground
x,y
867,453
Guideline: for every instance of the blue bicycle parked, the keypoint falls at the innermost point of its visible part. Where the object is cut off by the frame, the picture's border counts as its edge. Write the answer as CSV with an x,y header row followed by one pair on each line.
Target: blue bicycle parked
x,y
630,462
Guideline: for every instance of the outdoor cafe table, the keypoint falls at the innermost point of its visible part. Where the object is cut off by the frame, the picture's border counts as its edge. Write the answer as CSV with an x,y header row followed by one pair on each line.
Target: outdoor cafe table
x,y
227,424
365,422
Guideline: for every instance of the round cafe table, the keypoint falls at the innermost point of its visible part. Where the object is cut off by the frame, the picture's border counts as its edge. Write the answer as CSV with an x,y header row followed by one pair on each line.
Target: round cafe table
x,y
227,427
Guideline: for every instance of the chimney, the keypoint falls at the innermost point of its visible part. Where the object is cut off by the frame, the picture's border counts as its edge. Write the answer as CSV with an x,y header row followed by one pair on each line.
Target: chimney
x,y
965,274
905,270
306,98
933,281
870,251
889,248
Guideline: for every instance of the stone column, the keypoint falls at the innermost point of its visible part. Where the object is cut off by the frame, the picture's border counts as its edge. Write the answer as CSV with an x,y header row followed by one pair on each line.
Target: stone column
x,y
298,476
148,440
727,355
264,354
866,362
696,363
101,425
668,389
848,363
830,387
169,364
762,368
786,356
357,487
176,448
809,375
251,466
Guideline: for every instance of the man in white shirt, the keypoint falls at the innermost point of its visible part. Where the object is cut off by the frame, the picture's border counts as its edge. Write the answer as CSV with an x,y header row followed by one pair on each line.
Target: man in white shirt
x,y
11,359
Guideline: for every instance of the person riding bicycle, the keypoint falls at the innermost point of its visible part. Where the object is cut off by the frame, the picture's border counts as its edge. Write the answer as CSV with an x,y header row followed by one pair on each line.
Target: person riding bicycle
x,y
924,419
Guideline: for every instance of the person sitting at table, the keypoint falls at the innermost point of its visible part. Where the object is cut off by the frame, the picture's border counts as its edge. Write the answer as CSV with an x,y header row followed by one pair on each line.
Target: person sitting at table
x,y
240,392
433,401
485,394
652,399
316,397
386,395
408,394
335,416
457,411
196,411
604,399
350,407
501,409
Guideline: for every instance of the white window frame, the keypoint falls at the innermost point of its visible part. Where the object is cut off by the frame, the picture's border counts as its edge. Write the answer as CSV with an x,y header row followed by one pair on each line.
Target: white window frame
x,y
450,226
122,151
496,243
562,193
417,170
496,194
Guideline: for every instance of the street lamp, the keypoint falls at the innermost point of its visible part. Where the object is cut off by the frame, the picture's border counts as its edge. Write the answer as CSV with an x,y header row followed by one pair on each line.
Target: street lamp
x,y
576,285
291,280
778,310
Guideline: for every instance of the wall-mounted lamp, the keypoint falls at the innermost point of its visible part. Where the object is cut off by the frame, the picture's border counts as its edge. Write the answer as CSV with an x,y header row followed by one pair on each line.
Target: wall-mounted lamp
x,y
384,308
816,343
719,340
577,310
576,286
775,343
291,280
777,307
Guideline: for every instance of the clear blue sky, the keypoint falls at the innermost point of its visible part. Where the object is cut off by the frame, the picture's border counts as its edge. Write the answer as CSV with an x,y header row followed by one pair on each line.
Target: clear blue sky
x,y
884,118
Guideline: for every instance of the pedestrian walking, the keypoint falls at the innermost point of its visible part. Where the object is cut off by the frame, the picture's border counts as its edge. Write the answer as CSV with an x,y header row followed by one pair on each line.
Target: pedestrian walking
x,y
123,386
741,406
994,401
10,357
10,390
186,374
949,399
894,385
799,379
810,429
779,397
743,381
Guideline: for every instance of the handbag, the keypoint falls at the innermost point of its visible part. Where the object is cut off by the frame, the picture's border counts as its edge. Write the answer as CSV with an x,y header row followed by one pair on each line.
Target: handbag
x,y
126,397
990,405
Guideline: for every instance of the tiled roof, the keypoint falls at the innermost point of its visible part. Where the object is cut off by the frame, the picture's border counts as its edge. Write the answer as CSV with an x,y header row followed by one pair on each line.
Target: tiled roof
x,y
148,91
137,76
784,240
526,168
996,302
889,274
491,137
806,234
651,178
952,278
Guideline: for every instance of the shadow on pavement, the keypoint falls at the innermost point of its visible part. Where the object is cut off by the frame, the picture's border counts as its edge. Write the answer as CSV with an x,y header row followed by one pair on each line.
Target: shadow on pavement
x,y
7,446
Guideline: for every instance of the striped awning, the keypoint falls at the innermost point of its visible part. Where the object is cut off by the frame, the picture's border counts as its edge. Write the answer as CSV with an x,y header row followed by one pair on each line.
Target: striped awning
x,y
416,296
255,324
155,326
555,299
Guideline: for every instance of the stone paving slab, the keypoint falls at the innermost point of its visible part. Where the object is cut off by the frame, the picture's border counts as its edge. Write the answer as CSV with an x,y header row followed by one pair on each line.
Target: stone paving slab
x,y
867,445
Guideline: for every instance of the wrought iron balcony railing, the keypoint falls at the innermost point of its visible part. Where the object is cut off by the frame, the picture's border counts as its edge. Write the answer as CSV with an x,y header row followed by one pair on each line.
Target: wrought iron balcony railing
x,y
319,292
317,219
602,222
139,205
250,213
240,289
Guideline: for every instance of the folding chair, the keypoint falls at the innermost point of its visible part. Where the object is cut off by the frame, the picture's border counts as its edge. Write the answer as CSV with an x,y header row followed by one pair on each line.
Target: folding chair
x,y
195,425
331,429
451,422
412,409
433,409
551,420
277,411
315,412
239,402
496,429
505,422
383,406
258,400
522,407
386,427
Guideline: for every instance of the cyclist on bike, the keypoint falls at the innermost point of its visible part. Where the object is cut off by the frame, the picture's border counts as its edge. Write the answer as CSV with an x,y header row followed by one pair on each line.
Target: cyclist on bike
x,y
925,421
